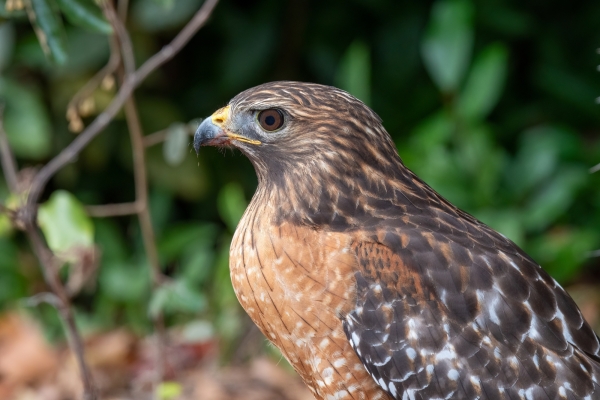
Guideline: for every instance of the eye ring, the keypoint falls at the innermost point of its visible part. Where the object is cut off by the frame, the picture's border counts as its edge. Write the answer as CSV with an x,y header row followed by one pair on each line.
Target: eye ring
x,y
270,120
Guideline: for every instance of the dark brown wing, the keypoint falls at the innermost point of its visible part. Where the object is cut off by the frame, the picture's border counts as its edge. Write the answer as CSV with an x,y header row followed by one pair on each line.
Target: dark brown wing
x,y
448,308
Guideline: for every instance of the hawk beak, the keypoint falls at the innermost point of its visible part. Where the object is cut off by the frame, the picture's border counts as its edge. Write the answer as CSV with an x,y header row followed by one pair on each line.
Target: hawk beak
x,y
212,131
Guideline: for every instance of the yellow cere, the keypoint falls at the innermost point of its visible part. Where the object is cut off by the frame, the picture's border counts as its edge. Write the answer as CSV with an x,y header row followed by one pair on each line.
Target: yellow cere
x,y
220,117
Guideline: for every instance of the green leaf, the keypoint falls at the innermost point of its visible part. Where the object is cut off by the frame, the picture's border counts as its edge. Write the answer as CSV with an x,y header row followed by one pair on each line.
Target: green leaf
x,y
192,245
484,83
49,30
428,154
230,322
555,198
26,120
433,131
9,251
562,252
189,180
176,144
538,156
174,297
86,14
354,72
231,204
175,240
110,239
197,264
5,226
64,222
446,47
161,208
198,331
12,287
481,163
125,282
568,88
222,276
168,390
509,222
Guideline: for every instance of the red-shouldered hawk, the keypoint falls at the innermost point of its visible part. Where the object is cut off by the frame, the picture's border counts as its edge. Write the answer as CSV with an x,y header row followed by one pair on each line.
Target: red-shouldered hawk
x,y
370,283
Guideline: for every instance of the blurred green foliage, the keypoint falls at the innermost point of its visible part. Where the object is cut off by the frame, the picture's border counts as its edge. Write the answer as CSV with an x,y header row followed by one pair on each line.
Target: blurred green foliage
x,y
491,103
65,223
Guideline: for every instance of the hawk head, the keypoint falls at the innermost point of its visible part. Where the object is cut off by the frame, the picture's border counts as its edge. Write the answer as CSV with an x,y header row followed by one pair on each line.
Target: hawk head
x,y
322,155
294,126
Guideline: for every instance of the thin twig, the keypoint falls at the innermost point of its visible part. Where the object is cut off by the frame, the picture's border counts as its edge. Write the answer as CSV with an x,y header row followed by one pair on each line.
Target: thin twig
x,y
141,186
7,211
69,153
9,164
64,308
160,136
137,141
136,135
124,39
595,168
155,138
122,9
113,210
45,297
141,189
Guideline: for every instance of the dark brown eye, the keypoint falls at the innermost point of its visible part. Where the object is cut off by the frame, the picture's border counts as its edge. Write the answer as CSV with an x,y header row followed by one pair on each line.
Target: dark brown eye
x,y
271,119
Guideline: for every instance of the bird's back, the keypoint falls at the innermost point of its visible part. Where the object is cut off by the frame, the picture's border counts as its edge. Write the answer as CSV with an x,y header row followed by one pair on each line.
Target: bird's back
x,y
448,307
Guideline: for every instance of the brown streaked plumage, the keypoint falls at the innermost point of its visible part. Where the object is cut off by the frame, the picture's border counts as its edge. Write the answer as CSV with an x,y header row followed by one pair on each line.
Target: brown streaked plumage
x,y
371,284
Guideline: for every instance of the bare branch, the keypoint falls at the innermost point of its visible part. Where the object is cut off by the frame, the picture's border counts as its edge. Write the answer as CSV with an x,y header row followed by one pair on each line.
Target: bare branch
x,y
595,168
155,138
141,187
63,305
160,136
137,141
7,211
123,36
9,164
113,210
69,153
123,9
45,297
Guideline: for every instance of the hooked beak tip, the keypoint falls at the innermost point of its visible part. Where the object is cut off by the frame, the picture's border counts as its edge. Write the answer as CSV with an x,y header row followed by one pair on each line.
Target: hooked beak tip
x,y
206,132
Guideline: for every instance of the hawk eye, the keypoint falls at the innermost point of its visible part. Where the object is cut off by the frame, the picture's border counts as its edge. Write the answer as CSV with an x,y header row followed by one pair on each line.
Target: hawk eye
x,y
270,120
